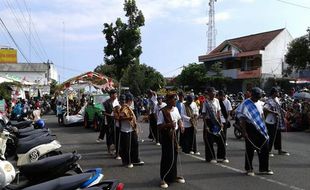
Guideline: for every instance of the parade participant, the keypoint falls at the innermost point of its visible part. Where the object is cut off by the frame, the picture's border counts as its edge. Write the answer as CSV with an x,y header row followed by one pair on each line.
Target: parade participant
x,y
274,121
108,129
213,129
59,113
152,101
255,133
181,108
160,104
225,112
169,120
129,147
190,120
117,134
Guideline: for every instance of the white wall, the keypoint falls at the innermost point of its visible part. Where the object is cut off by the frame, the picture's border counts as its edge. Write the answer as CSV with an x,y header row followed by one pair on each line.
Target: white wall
x,y
273,56
37,77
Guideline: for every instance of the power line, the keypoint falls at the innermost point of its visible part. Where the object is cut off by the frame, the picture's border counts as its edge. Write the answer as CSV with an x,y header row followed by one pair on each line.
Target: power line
x,y
294,4
17,46
22,28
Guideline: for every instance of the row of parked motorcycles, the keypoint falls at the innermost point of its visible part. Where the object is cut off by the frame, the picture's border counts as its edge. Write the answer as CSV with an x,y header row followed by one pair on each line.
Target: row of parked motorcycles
x,y
31,159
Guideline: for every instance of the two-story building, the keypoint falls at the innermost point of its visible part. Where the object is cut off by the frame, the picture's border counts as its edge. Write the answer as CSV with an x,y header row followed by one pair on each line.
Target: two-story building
x,y
256,56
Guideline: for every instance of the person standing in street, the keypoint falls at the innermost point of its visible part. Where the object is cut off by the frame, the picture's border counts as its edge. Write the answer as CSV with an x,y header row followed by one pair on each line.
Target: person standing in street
x,y
225,112
213,129
169,121
129,146
274,122
160,104
255,133
152,101
190,121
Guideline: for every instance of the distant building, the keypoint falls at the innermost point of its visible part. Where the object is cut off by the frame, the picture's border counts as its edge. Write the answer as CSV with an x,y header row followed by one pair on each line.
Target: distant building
x,y
256,56
37,76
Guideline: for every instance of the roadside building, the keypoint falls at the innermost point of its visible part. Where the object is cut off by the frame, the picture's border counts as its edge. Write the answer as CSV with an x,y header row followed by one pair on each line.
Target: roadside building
x,y
256,56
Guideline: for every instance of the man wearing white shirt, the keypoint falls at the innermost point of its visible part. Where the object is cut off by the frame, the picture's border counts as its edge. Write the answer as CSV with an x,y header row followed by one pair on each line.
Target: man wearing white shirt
x,y
189,114
213,129
169,121
225,112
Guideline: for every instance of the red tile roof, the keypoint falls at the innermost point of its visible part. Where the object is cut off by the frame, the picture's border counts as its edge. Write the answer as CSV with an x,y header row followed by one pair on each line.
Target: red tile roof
x,y
250,43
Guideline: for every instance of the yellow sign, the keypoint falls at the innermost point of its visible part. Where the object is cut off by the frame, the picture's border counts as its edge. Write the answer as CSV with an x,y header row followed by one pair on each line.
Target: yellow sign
x,y
8,56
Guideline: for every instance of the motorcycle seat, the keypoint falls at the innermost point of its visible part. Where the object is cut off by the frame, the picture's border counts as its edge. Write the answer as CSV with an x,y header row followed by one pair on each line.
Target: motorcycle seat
x,y
25,147
33,136
24,130
24,134
62,183
21,124
49,164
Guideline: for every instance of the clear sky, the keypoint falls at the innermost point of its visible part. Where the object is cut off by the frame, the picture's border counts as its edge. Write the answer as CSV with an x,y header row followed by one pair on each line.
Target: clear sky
x,y
69,32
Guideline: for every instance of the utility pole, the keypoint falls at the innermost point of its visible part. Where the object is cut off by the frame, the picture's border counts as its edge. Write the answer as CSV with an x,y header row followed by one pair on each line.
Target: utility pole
x,y
211,27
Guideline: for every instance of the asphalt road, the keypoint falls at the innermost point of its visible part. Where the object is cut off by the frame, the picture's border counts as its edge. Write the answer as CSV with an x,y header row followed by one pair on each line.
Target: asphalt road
x,y
291,172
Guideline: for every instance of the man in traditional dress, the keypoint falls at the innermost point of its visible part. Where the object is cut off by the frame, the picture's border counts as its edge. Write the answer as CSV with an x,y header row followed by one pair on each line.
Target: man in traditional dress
x,y
213,129
169,121
255,133
129,146
274,122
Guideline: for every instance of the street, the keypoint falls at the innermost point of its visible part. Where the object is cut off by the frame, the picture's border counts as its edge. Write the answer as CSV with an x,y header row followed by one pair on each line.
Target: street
x,y
291,172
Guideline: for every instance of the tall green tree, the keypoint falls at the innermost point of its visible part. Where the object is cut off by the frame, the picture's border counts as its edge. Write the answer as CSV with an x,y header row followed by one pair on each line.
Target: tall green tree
x,y
140,77
124,39
298,55
194,76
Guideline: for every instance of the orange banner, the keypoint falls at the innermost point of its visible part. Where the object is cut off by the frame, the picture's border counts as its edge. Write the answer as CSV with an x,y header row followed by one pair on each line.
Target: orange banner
x,y
8,56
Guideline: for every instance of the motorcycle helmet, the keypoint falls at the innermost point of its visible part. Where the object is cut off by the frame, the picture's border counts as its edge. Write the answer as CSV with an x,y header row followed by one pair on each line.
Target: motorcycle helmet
x,y
40,123
7,173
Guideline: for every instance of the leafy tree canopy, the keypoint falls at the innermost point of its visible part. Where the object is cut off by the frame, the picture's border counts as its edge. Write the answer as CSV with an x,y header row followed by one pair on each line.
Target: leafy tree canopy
x,y
298,55
123,39
140,77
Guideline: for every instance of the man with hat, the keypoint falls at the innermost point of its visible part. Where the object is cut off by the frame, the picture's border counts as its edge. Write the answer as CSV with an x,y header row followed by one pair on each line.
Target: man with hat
x,y
213,129
169,121
255,132
274,121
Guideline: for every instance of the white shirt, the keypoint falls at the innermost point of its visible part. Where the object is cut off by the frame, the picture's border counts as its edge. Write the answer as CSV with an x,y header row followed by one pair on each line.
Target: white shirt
x,y
215,104
159,107
228,107
175,116
186,119
260,104
271,118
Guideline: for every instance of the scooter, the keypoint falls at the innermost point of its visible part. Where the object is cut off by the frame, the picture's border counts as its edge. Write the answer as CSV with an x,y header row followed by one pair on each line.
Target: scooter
x,y
33,150
38,172
79,181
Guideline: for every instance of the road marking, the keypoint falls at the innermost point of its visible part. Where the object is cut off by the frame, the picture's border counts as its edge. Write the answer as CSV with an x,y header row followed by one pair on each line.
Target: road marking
x,y
257,176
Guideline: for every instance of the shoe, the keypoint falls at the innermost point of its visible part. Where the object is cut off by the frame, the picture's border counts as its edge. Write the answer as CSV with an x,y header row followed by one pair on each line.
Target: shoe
x,y
223,161
213,161
192,152
138,163
163,185
180,180
99,140
197,153
284,153
268,172
157,144
250,173
118,158
271,155
130,166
